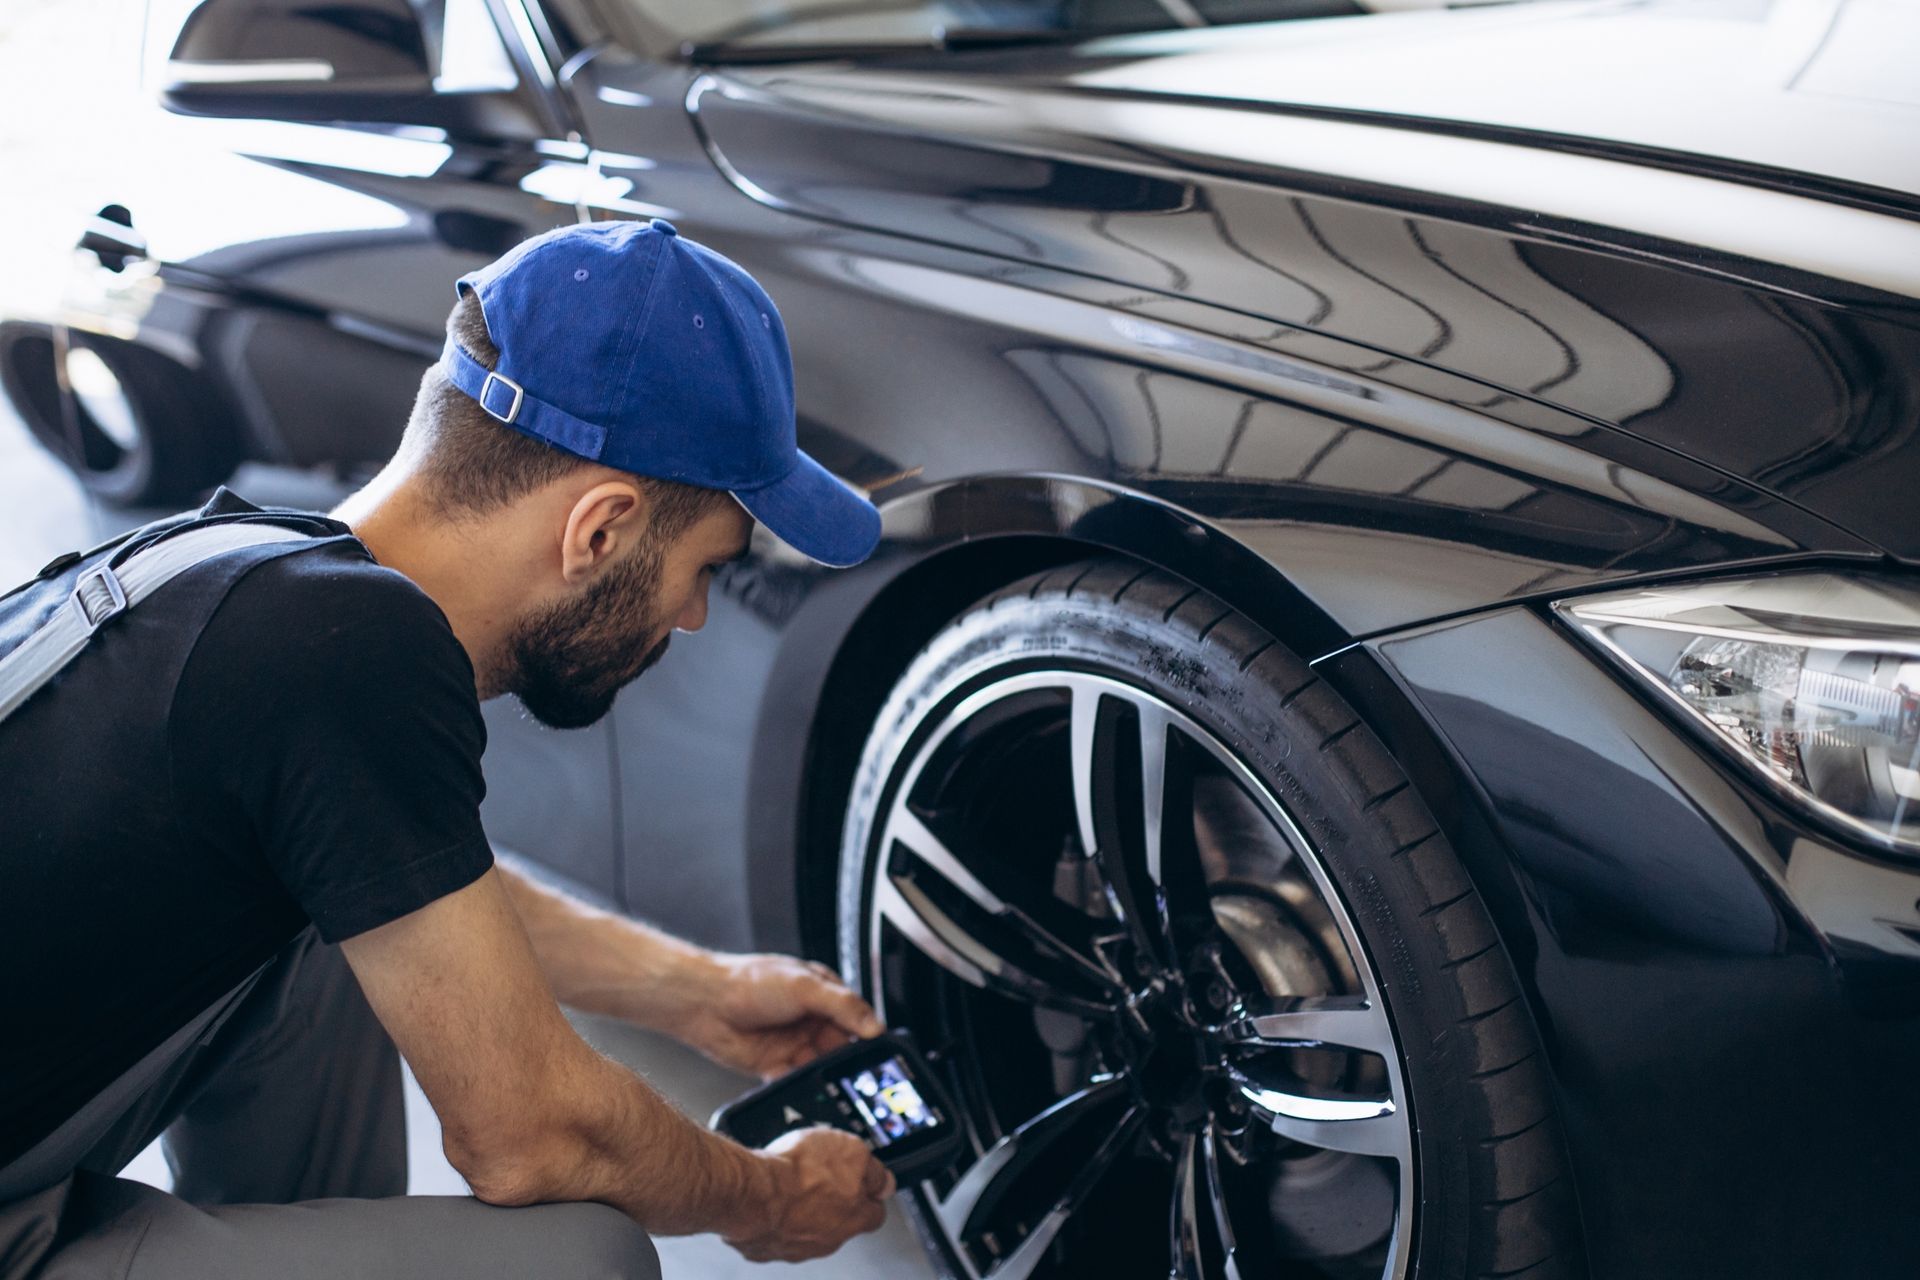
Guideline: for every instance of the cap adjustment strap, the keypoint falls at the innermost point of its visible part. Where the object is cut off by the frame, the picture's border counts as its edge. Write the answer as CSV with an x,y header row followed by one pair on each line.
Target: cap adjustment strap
x,y
486,390
508,401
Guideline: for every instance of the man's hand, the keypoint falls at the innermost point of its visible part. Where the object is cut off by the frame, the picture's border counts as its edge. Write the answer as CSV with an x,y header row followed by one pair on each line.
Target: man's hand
x,y
826,1188
766,1014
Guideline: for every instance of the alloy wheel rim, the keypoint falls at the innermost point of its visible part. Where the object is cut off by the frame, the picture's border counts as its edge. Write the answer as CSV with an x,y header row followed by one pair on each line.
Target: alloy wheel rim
x,y
1184,1042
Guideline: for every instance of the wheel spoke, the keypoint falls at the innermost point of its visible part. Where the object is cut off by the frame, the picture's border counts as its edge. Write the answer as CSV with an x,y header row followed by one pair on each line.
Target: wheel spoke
x,y
1363,1126
1043,929
1104,753
988,1184
1153,791
1133,801
1170,760
1188,1227
1203,1242
973,933
1337,1022
1085,712
988,1178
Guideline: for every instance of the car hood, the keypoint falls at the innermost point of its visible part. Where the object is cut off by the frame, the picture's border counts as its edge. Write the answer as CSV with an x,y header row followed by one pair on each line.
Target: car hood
x,y
1755,319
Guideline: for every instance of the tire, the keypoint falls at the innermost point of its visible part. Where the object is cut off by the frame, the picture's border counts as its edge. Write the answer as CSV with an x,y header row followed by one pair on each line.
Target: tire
x,y
140,432
1142,1081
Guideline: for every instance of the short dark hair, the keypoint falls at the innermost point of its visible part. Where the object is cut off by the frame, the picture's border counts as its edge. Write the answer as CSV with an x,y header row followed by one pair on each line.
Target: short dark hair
x,y
472,463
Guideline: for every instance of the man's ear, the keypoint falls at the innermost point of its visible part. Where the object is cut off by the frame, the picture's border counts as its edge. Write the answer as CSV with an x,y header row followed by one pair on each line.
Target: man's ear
x,y
601,525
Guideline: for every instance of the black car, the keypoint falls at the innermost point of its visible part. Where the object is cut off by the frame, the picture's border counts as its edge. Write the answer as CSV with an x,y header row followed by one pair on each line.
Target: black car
x,y
1383,737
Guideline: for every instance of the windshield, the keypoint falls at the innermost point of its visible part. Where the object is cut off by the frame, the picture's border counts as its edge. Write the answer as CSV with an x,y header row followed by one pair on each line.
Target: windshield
x,y
668,25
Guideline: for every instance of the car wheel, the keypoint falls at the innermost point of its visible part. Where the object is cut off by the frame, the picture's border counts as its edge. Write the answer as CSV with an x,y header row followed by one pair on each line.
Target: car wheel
x,y
1214,995
135,430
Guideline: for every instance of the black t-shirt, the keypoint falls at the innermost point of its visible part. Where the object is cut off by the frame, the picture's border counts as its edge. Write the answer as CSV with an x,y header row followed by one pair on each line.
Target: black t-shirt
x,y
285,735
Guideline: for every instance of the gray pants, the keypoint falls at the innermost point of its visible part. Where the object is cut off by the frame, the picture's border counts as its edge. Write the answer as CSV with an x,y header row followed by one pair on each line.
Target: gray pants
x,y
286,1135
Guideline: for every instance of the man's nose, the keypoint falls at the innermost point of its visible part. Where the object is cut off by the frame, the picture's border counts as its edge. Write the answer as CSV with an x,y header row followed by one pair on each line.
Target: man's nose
x,y
694,615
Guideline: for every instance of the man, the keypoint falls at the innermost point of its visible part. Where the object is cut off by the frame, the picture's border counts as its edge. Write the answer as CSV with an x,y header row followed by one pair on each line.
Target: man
x,y
242,858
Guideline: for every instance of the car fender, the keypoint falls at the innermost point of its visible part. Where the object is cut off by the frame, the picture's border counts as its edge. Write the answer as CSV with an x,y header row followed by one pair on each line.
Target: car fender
x,y
846,637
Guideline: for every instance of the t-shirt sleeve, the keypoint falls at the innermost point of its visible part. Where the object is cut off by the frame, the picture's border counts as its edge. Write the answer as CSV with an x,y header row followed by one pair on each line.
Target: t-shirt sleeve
x,y
329,703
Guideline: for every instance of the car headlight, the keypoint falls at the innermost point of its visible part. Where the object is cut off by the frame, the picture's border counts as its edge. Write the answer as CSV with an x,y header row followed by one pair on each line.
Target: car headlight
x,y
1813,679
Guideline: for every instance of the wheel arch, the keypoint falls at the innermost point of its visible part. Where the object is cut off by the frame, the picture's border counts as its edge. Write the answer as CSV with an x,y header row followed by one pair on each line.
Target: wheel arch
x,y
944,547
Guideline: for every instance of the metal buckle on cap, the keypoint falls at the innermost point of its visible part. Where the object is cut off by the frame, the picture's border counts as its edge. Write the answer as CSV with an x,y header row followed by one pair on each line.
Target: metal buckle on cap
x,y
513,410
114,605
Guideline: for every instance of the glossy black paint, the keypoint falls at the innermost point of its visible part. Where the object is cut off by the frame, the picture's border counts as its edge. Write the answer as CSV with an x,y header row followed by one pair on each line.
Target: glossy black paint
x,y
1386,412
1701,963
1618,329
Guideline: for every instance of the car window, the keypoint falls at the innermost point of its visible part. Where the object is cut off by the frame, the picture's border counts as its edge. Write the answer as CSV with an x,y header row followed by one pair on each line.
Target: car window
x,y
472,58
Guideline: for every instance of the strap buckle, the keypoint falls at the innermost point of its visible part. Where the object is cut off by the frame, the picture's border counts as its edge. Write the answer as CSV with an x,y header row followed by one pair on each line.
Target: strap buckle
x,y
99,597
513,410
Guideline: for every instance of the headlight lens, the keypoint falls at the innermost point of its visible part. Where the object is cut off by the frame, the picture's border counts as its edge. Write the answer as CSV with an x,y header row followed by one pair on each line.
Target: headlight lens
x,y
1812,678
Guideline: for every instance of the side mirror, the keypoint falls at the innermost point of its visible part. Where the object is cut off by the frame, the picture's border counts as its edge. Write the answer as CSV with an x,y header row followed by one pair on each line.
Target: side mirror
x,y
325,60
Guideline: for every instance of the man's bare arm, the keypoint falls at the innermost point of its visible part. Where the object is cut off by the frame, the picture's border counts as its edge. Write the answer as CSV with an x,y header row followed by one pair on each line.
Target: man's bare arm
x,y
604,963
762,1014
531,1113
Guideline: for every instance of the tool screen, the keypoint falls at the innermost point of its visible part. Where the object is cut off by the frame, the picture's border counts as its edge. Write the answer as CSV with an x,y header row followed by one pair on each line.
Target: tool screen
x,y
880,1090
888,1101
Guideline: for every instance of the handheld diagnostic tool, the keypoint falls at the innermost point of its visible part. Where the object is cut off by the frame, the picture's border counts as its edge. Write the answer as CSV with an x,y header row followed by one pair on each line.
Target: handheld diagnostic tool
x,y
880,1090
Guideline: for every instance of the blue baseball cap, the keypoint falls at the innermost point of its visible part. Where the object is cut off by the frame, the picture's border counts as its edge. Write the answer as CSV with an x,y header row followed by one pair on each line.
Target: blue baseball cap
x,y
630,345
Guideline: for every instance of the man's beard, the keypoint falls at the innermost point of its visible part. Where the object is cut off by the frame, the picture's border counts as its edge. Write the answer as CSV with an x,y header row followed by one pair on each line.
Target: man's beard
x,y
569,661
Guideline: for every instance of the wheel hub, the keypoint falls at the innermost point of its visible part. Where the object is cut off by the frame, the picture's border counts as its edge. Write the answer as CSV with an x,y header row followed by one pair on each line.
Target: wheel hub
x,y
1169,1074
1171,1061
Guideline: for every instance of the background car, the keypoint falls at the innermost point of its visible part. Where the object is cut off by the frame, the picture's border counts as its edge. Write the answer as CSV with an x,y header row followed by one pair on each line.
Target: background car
x,y
1381,738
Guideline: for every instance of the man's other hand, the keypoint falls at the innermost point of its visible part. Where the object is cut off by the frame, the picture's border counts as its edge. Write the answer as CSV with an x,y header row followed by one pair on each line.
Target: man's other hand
x,y
825,1187
766,1014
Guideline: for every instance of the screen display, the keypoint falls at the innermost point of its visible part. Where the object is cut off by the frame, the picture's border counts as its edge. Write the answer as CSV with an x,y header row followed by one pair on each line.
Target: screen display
x,y
888,1102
